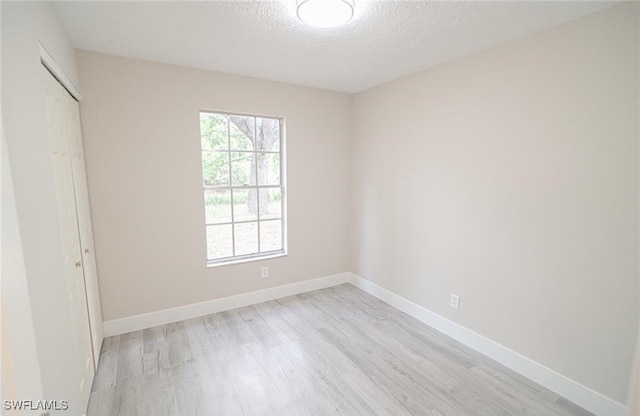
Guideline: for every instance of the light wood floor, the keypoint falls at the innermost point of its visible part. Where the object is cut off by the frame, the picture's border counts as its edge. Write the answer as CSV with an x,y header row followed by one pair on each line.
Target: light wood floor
x,y
335,351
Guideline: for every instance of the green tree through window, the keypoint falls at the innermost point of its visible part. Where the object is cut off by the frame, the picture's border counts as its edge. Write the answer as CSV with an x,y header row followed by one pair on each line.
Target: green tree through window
x,y
243,185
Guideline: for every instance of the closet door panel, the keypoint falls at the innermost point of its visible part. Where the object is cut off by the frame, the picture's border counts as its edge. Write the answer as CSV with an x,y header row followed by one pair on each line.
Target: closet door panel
x,y
86,233
59,108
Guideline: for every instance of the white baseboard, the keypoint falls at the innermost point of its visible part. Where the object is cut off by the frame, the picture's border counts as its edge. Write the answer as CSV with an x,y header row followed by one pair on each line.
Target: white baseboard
x,y
559,384
180,313
565,387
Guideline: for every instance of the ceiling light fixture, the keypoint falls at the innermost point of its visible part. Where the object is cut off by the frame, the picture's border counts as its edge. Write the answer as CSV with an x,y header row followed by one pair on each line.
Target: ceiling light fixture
x,y
325,13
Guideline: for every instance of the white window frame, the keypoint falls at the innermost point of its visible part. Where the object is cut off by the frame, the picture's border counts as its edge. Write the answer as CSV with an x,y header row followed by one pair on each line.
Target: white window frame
x,y
282,187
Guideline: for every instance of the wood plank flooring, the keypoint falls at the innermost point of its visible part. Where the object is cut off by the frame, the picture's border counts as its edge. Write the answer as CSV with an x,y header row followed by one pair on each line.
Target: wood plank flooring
x,y
336,351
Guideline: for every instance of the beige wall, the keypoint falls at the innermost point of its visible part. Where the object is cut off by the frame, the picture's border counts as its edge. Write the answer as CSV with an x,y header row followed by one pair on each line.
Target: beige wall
x,y
510,177
142,145
634,385
19,360
36,233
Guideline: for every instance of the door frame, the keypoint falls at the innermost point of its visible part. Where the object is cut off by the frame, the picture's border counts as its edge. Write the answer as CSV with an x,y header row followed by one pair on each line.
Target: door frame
x,y
48,61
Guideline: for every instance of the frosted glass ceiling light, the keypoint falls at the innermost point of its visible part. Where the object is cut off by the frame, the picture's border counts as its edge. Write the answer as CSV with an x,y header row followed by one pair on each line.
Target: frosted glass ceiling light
x,y
325,13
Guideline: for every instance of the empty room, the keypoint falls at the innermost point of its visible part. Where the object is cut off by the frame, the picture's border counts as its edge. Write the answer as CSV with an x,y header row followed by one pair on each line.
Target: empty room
x,y
320,207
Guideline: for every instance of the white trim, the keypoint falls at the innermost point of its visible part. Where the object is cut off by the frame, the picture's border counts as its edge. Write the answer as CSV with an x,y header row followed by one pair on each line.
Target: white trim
x,y
180,313
546,377
48,61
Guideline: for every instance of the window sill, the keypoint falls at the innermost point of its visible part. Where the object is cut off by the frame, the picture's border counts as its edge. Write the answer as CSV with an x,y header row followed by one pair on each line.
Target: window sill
x,y
246,260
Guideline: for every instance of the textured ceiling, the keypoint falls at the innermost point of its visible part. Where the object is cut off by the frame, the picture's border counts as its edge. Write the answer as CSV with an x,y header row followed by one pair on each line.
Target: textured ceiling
x,y
386,39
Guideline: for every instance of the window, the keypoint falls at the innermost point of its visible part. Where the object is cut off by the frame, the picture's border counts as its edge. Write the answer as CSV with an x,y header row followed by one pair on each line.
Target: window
x,y
243,182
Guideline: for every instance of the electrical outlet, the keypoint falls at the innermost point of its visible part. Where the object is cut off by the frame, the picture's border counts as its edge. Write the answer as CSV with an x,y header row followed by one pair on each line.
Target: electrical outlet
x,y
265,272
455,301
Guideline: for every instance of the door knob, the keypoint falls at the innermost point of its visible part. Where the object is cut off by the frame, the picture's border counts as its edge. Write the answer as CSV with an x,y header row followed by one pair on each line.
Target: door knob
x,y
78,264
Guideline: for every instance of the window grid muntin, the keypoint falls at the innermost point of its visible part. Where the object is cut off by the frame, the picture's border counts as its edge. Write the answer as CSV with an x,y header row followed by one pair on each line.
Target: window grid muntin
x,y
243,222
230,182
255,157
257,187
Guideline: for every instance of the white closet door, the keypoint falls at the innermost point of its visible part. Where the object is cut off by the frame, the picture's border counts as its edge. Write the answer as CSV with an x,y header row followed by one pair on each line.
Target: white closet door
x,y
60,107
86,235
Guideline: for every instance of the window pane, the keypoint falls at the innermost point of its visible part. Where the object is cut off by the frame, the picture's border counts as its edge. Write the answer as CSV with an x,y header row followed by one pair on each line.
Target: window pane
x,y
215,168
242,169
270,235
242,152
242,130
268,134
219,241
213,131
268,169
246,235
245,204
217,204
270,203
